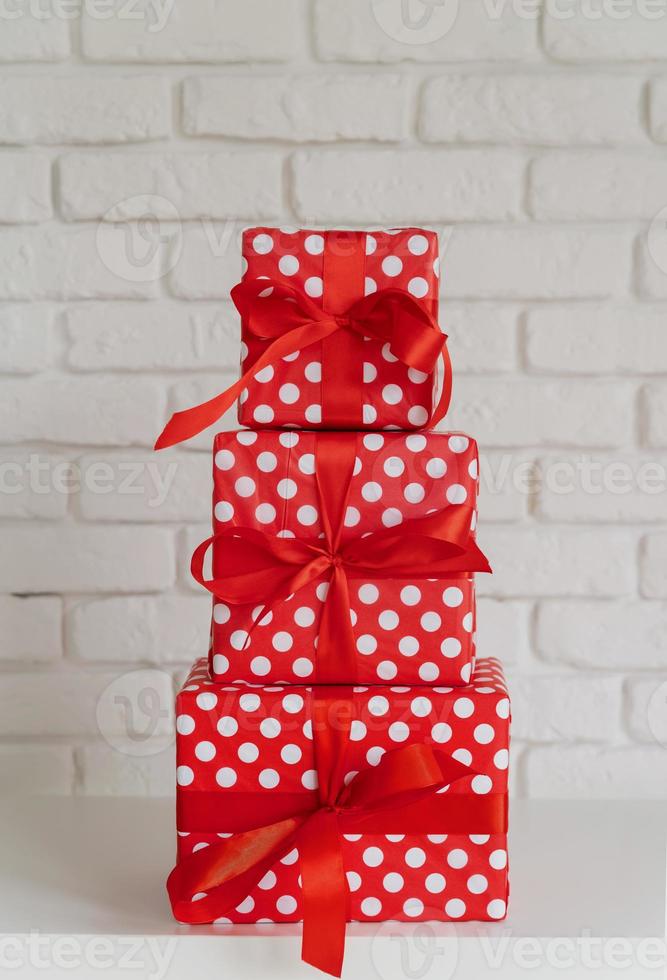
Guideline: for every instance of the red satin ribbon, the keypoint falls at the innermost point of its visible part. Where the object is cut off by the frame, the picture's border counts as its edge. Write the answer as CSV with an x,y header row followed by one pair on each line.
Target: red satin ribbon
x,y
405,779
344,276
249,562
290,321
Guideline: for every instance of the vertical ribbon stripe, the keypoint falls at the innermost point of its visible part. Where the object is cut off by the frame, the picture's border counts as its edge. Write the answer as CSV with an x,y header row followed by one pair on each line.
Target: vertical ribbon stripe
x,y
335,455
342,352
324,884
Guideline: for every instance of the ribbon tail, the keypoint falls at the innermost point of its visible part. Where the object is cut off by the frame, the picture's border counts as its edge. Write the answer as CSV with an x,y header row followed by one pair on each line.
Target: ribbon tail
x,y
208,883
444,401
325,893
477,560
190,422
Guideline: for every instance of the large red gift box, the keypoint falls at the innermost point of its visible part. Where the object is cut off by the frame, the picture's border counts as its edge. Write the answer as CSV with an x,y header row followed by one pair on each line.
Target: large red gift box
x,y
369,386
249,759
410,616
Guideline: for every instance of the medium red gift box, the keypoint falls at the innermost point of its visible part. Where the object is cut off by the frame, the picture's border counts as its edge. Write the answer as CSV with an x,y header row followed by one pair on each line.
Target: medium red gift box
x,y
345,803
339,331
342,557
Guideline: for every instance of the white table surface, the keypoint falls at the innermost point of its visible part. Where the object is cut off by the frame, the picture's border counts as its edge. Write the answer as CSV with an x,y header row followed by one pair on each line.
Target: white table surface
x,y
82,885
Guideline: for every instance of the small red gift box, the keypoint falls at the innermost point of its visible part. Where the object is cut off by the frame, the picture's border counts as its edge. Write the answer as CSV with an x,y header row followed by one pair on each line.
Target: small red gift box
x,y
339,331
343,556
335,804
335,269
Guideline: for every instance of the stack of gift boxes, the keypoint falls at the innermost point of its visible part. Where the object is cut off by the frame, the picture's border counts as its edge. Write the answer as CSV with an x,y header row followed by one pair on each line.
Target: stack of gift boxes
x,y
341,755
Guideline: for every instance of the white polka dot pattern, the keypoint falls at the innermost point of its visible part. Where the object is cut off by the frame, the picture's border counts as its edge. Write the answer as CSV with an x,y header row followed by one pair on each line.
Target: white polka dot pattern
x,y
397,396
407,631
262,742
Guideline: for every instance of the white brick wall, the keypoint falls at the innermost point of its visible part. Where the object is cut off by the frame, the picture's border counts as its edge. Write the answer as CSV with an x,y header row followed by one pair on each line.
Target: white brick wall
x,y
549,109
198,185
65,109
406,185
535,143
300,107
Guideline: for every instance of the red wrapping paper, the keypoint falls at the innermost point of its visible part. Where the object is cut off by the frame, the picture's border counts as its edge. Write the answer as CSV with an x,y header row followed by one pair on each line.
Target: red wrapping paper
x,y
406,630
232,742
334,269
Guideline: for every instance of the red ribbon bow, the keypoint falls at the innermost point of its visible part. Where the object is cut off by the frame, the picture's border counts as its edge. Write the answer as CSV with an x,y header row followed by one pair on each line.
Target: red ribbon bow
x,y
400,795
254,563
290,321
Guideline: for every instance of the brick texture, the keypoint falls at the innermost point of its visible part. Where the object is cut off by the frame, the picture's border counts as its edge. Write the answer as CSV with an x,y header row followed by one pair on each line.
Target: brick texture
x,y
188,185
122,109
566,708
394,187
154,337
596,772
31,628
596,340
25,187
26,38
624,635
658,110
348,30
300,108
107,772
133,152
87,559
559,562
600,31
141,629
26,339
653,566
523,263
578,109
599,185
81,411
200,32
519,411
61,263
